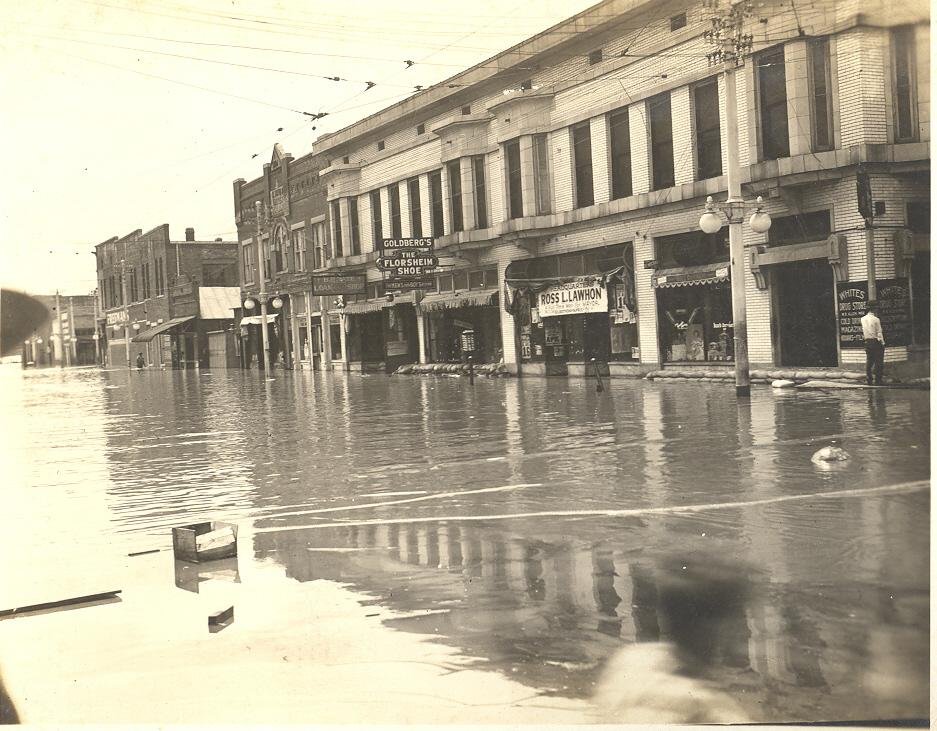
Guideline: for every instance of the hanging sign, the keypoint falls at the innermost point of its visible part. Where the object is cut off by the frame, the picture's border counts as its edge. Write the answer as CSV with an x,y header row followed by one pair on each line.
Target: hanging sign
x,y
408,263
573,298
894,310
339,283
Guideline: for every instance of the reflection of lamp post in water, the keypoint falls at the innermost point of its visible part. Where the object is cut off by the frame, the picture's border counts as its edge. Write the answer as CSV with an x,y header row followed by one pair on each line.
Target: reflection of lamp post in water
x,y
731,44
262,273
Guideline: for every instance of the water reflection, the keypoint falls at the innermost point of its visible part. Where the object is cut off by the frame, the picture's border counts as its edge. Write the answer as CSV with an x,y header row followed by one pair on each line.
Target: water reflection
x,y
828,585
190,575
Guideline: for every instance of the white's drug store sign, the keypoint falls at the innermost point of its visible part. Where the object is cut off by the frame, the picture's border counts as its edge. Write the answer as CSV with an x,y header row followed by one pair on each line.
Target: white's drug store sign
x,y
573,298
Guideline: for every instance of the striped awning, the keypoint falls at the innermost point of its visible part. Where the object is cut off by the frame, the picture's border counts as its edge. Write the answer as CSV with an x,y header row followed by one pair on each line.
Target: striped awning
x,y
451,300
255,319
691,276
362,308
147,335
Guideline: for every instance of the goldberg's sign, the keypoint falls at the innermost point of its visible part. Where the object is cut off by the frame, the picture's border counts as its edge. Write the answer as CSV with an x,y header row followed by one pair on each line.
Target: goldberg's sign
x,y
408,263
573,298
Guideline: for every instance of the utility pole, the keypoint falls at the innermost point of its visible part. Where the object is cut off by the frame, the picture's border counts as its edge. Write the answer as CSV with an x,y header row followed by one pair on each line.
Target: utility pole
x,y
262,296
123,295
57,330
867,210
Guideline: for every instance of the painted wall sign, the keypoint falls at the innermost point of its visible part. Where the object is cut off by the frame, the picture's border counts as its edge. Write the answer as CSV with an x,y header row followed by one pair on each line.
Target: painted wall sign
x,y
332,284
894,301
573,298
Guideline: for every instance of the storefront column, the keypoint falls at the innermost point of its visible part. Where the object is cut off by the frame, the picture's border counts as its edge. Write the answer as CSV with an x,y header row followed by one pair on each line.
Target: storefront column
x,y
309,341
294,333
326,326
421,332
506,254
343,325
647,301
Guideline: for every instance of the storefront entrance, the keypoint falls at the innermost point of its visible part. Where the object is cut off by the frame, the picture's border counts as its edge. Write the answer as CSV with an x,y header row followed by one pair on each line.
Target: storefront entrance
x,y
805,313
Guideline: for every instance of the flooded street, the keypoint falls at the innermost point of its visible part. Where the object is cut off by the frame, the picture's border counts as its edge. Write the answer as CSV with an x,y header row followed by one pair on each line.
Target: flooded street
x,y
422,550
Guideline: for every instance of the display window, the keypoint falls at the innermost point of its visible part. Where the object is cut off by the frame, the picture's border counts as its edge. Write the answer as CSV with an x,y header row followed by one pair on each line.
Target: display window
x,y
695,323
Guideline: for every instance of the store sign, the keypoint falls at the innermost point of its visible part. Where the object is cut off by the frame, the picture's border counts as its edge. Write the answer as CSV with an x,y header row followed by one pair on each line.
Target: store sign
x,y
573,298
894,310
651,264
117,318
332,284
408,263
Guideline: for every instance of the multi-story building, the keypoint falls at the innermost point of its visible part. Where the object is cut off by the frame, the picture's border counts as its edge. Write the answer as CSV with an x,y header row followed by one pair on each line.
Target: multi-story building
x,y
171,301
294,243
563,182
66,338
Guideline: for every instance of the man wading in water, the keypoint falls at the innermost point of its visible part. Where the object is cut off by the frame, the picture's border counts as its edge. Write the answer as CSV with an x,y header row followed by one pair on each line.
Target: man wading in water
x,y
874,344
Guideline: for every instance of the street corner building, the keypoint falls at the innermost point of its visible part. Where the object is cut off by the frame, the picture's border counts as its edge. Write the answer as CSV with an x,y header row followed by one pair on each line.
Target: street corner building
x,y
67,336
562,183
173,302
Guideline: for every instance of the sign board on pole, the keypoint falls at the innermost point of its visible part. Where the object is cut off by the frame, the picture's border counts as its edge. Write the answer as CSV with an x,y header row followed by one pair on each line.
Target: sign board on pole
x,y
339,283
408,263
894,310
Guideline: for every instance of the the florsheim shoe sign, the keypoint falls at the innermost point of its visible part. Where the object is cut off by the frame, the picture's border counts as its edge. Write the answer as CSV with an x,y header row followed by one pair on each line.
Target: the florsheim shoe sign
x,y
408,263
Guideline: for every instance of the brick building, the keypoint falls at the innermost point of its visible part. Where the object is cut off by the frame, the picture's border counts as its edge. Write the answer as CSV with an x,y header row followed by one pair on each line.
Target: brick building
x,y
563,182
66,338
294,241
149,292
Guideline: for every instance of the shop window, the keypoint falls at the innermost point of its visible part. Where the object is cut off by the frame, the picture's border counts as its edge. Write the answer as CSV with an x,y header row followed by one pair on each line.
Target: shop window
x,y
476,280
335,210
658,109
920,297
800,229
444,283
354,227
695,323
491,278
821,100
416,210
393,193
919,217
708,141
481,191
377,225
435,190
582,163
619,129
623,311
902,41
693,248
335,335
376,290
512,154
570,265
772,104
454,171
460,280
542,182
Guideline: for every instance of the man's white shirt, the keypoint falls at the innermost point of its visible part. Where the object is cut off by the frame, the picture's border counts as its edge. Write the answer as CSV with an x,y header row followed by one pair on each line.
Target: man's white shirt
x,y
872,328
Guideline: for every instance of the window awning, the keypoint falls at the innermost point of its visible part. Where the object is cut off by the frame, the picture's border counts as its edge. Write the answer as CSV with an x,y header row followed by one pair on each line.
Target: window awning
x,y
451,300
691,276
256,319
147,335
361,308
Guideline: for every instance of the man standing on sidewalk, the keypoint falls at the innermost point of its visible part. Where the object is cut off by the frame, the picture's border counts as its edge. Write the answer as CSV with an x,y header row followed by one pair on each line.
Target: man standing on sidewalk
x,y
874,344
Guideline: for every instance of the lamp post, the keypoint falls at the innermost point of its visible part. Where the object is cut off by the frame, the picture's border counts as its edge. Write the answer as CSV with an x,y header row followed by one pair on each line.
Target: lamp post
x,y
730,46
262,273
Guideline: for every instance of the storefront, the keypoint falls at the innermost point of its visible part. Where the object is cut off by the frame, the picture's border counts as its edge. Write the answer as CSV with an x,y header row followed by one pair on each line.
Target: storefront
x,y
380,333
694,306
574,309
450,314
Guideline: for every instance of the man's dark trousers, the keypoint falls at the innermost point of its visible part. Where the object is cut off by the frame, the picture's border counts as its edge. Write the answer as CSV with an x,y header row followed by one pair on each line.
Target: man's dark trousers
x,y
874,360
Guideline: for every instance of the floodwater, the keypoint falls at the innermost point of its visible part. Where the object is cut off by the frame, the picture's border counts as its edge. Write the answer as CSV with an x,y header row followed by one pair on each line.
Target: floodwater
x,y
418,549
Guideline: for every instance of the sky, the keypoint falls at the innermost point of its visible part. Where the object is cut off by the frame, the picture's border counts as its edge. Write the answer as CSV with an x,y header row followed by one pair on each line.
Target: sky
x,y
127,114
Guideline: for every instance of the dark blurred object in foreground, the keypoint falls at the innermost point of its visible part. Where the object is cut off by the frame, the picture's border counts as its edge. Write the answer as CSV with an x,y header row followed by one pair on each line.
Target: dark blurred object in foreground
x,y
20,315
7,711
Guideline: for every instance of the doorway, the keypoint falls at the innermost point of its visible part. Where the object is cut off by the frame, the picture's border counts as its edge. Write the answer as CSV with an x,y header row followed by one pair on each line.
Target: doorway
x,y
806,315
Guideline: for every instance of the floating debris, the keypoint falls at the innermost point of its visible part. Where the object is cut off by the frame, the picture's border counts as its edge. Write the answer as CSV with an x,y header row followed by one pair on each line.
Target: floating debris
x,y
219,620
205,541
70,603
829,454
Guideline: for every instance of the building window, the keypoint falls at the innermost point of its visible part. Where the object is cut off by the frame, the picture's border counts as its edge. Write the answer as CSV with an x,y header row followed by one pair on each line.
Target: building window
x,y
677,22
801,228
416,210
595,57
420,129
345,159
393,193
320,248
619,128
708,142
454,169
918,213
145,274
467,110
353,225
527,85
481,191
512,154
444,283
905,101
435,192
476,280
133,285
582,162
336,216
380,145
299,250
658,109
247,262
265,243
821,101
772,104
377,226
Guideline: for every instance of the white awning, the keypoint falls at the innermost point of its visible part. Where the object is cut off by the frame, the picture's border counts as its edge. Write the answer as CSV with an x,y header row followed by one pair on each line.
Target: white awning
x,y
256,319
218,303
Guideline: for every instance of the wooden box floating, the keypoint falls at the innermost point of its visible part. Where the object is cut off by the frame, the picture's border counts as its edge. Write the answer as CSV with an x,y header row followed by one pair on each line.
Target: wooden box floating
x,y
205,541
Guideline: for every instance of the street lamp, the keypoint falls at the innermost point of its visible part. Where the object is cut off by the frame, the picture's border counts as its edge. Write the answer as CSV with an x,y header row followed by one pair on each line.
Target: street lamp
x,y
277,302
249,304
136,326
